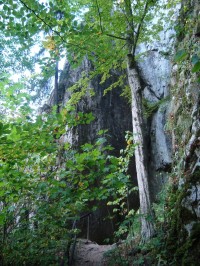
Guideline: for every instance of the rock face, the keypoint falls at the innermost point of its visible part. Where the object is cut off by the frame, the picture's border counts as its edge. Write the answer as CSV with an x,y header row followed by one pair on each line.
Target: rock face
x,y
184,121
173,129
155,71
111,112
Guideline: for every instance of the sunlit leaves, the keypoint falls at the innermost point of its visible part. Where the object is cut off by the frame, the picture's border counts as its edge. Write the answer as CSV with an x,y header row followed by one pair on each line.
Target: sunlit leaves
x,y
48,183
49,43
36,193
98,29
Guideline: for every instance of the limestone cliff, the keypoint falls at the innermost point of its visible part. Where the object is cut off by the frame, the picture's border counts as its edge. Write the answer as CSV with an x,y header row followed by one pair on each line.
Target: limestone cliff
x,y
172,127
184,226
111,112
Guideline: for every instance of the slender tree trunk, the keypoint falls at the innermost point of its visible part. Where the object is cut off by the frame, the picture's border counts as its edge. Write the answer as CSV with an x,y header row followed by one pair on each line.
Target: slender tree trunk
x,y
56,96
147,229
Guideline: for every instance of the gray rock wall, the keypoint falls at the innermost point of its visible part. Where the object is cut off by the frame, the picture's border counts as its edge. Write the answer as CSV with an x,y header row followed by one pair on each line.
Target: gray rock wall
x,y
183,241
155,71
111,112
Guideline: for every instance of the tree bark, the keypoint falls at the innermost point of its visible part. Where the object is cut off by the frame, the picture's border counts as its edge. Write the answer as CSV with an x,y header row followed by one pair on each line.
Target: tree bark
x,y
56,96
147,229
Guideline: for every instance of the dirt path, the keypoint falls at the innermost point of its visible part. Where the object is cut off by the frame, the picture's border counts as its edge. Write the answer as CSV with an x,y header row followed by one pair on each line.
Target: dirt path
x,y
90,253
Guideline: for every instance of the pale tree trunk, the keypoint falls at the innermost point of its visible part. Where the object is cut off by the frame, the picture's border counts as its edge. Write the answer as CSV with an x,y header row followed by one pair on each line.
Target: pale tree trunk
x,y
147,229
56,96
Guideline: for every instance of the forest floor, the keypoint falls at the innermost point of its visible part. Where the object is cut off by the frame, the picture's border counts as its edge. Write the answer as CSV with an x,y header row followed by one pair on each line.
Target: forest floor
x,y
90,253
122,253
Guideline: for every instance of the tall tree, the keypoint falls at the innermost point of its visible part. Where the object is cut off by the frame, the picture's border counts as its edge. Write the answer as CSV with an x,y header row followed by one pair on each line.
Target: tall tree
x,y
135,32
108,33
127,23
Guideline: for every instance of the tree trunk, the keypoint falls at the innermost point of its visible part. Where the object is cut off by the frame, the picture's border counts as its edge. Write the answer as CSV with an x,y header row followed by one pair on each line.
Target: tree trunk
x,y
147,229
56,96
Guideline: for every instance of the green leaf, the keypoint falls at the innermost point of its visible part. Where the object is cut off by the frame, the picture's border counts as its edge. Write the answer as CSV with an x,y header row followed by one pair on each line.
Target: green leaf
x,y
1,128
195,59
102,131
180,56
196,67
100,141
2,218
3,184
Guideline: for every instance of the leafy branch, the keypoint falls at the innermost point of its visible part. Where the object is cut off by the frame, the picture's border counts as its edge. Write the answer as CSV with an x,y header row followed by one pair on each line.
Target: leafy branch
x,y
101,27
138,31
53,30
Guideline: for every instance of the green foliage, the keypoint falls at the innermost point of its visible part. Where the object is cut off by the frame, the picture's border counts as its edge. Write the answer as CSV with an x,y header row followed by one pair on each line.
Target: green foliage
x,y
101,30
180,56
188,53
195,60
151,107
196,64
115,257
46,184
126,93
122,188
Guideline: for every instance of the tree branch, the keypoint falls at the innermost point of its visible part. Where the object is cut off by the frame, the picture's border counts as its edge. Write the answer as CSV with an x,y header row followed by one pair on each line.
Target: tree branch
x,y
99,14
139,27
116,37
101,27
127,19
51,28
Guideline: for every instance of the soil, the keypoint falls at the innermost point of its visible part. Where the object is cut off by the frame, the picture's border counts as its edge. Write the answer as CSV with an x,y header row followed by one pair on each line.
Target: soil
x,y
90,253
